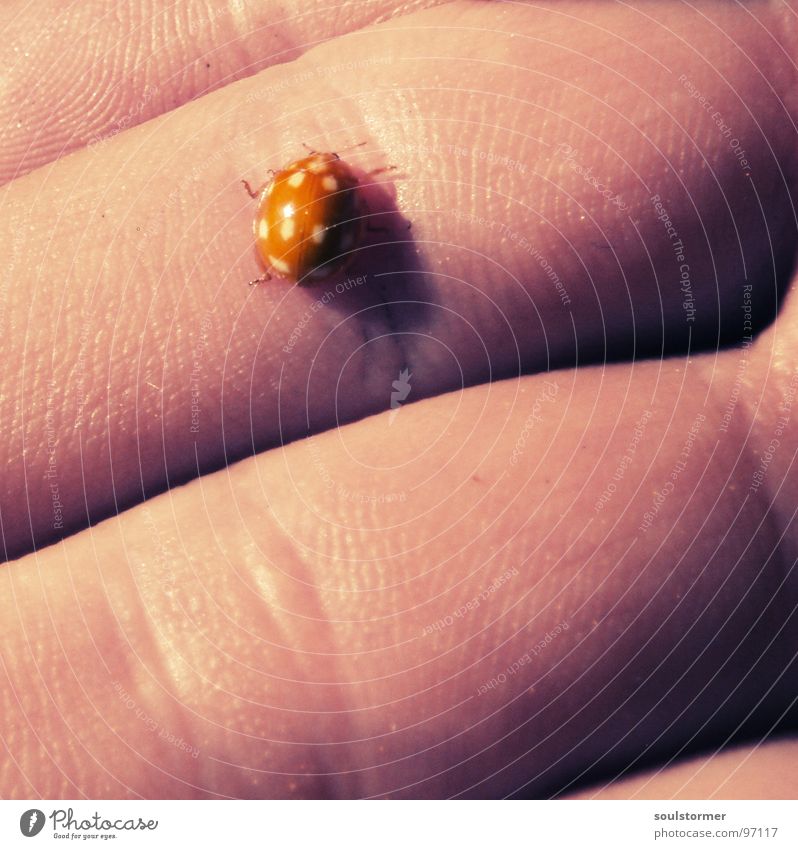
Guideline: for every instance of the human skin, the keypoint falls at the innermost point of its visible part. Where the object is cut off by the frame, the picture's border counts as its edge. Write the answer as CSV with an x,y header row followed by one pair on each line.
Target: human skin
x,y
764,772
275,616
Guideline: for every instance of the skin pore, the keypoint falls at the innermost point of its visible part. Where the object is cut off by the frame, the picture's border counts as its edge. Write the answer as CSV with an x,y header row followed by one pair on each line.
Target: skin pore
x,y
287,625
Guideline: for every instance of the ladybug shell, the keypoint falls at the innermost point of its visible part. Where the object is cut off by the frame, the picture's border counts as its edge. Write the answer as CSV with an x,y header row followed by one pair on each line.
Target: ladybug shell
x,y
309,218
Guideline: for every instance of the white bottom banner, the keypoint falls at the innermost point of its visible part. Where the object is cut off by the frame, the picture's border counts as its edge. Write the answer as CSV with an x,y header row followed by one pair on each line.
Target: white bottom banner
x,y
399,825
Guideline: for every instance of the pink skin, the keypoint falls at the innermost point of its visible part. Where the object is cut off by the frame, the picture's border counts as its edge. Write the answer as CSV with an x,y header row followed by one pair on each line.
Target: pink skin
x,y
747,772
118,65
278,618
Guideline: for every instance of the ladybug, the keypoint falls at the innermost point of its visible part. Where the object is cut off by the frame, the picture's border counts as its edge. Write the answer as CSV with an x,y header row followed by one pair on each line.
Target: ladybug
x,y
310,219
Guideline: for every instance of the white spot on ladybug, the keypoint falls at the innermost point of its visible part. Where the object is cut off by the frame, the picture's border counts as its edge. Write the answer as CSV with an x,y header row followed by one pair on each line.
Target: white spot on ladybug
x,y
279,264
318,233
263,229
318,165
287,228
296,179
329,184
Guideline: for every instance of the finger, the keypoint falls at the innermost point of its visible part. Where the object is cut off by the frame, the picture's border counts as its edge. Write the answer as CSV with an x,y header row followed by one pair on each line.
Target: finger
x,y
429,605
128,270
748,772
80,75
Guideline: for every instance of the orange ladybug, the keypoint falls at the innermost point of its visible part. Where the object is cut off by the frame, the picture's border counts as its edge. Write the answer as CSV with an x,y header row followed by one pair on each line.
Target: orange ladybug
x,y
310,219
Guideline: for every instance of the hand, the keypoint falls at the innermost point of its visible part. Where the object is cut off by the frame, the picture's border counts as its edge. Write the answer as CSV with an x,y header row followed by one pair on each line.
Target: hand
x,y
292,625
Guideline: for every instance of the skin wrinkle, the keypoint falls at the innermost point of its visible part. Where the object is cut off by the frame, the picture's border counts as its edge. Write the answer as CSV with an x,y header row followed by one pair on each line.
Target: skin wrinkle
x,y
40,657
151,670
291,632
750,398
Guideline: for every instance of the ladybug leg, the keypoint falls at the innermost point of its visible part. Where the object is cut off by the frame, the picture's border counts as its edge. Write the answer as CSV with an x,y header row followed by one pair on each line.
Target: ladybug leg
x,y
264,278
257,193
311,150
249,189
348,148
370,228
382,170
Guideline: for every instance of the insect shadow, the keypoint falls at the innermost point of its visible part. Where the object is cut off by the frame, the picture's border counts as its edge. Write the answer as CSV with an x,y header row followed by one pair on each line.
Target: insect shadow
x,y
385,271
